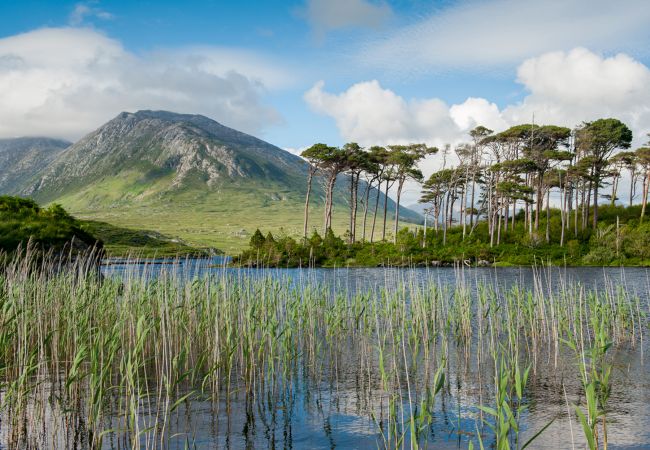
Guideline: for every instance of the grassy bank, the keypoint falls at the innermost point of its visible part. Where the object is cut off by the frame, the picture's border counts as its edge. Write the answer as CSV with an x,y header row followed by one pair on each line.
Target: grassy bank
x,y
620,240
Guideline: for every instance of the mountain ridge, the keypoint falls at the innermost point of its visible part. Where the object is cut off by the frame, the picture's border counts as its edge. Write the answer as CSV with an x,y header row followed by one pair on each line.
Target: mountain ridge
x,y
159,143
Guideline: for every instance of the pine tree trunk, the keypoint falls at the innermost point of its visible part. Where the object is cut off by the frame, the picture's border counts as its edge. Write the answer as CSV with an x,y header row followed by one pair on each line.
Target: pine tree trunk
x,y
374,217
646,185
444,223
330,195
586,201
491,206
538,204
595,222
498,221
614,189
309,180
355,207
563,201
436,215
351,235
400,185
632,185
471,217
575,213
383,232
548,215
365,208
463,208
527,205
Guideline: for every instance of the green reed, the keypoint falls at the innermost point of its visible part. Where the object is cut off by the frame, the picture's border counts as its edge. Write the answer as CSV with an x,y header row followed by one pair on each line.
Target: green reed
x,y
119,358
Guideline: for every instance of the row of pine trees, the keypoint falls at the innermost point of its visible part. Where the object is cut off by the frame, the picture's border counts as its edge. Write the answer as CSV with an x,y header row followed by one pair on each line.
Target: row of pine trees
x,y
496,176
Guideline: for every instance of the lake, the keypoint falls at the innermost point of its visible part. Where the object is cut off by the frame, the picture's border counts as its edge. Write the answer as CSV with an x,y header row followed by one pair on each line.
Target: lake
x,y
338,412
194,354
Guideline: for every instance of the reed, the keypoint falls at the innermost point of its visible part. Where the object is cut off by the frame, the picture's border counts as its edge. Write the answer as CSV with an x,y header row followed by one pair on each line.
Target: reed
x,y
124,362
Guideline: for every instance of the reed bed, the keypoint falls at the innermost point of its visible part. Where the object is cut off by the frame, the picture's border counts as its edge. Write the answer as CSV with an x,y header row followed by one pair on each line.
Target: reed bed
x,y
89,361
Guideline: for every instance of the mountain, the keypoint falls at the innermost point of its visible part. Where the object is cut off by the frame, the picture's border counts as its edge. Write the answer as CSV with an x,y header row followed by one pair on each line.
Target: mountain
x,y
171,150
417,207
22,159
185,176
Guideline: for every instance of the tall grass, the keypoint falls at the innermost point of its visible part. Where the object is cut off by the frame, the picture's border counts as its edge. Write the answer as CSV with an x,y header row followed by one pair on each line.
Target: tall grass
x,y
96,361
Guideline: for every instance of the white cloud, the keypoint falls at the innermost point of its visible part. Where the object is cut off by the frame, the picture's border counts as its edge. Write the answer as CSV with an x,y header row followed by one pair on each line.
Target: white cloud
x,y
325,15
369,114
64,82
565,88
494,33
85,10
570,87
477,111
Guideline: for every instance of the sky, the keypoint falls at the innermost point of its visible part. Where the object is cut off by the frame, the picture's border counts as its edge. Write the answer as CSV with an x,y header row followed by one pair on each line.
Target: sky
x,y
304,71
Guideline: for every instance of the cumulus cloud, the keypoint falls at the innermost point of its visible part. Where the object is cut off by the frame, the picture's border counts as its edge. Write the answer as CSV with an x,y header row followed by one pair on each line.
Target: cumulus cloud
x,y
569,87
370,114
325,15
564,88
494,33
64,82
477,111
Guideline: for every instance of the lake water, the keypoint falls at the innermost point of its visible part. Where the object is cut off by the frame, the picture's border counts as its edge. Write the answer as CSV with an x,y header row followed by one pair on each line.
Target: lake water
x,y
340,411
351,280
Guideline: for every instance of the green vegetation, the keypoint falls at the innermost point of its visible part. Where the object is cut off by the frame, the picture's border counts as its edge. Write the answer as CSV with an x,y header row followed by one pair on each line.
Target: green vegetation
x,y
52,228
223,218
125,359
126,242
387,166
493,207
620,239
22,221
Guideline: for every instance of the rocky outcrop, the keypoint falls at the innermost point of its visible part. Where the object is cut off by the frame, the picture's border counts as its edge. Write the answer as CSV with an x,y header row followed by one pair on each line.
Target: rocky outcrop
x,y
22,159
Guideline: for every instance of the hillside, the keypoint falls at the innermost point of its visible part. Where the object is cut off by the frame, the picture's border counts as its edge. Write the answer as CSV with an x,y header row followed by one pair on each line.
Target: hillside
x,y
22,159
22,220
185,176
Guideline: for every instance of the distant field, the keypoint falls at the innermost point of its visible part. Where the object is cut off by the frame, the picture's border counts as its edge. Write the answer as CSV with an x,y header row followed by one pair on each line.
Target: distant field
x,y
222,221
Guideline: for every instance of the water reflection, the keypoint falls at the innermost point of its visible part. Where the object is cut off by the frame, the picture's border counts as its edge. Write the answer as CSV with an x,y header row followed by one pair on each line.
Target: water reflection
x,y
353,279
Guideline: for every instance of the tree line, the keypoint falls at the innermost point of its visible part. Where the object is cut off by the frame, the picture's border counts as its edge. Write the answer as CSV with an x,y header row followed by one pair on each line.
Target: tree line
x,y
497,177
379,167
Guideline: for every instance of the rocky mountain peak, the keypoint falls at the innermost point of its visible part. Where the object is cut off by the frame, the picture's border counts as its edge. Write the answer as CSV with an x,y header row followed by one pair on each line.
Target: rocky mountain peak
x,y
183,149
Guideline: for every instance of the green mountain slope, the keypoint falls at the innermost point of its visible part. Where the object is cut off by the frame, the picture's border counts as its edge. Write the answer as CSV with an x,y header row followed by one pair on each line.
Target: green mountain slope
x,y
184,176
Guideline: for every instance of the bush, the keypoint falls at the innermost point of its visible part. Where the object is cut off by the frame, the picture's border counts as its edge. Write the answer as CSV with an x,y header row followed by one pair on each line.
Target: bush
x,y
22,220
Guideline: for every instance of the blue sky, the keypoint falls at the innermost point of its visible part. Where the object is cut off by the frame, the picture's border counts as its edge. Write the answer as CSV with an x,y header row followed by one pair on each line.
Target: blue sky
x,y
298,72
